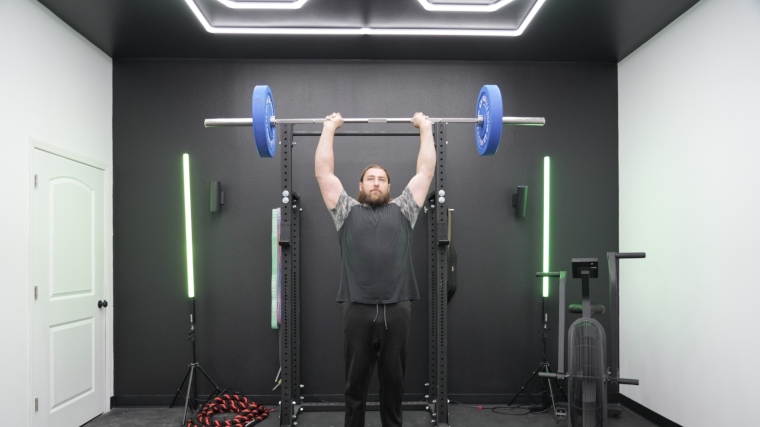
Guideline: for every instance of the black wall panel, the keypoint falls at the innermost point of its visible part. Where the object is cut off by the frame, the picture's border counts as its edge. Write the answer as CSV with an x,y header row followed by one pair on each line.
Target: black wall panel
x,y
494,318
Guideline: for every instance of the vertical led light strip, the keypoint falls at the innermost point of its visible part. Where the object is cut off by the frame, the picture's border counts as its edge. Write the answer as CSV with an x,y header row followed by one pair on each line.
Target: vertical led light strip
x,y
188,228
547,191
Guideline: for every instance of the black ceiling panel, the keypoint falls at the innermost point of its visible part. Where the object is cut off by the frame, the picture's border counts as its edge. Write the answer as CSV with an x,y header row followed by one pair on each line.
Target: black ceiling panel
x,y
562,31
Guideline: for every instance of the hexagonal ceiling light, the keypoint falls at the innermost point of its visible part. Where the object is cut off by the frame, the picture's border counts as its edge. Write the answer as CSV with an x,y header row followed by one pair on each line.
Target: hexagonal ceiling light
x,y
463,5
263,4
368,17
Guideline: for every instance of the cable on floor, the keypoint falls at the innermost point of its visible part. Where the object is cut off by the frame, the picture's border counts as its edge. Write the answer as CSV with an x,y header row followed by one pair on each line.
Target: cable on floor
x,y
521,410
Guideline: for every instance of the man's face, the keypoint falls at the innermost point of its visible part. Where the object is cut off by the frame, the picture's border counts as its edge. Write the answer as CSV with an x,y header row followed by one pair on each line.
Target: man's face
x,y
375,187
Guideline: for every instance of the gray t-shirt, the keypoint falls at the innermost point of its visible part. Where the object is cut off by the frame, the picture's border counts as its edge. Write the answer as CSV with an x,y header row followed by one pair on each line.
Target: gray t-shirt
x,y
376,250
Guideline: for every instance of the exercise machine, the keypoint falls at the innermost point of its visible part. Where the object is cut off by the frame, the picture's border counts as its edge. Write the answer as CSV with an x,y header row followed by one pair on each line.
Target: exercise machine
x,y
592,371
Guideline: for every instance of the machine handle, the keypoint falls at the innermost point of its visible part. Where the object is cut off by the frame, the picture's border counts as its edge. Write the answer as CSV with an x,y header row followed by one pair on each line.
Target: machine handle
x,y
631,255
558,375
547,274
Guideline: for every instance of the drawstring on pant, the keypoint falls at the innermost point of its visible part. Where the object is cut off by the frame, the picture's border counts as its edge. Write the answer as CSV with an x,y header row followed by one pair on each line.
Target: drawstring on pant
x,y
377,311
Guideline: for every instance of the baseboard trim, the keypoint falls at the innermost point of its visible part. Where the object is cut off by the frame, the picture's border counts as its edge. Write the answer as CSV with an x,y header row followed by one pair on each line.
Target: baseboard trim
x,y
646,413
124,401
164,400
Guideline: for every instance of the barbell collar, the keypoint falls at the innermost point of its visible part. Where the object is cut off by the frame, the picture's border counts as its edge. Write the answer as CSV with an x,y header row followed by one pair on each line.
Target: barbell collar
x,y
515,121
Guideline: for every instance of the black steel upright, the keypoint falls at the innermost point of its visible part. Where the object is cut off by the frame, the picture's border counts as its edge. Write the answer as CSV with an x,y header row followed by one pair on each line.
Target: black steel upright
x,y
290,338
438,232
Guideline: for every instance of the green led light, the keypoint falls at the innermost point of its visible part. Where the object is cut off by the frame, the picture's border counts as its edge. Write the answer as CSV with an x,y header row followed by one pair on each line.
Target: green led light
x,y
188,228
546,223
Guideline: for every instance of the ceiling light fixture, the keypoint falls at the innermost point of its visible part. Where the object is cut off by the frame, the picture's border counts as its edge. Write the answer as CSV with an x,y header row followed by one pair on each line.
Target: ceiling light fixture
x,y
292,4
460,6
452,32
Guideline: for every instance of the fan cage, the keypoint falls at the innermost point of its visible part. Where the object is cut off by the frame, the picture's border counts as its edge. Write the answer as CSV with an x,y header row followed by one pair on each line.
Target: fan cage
x,y
587,389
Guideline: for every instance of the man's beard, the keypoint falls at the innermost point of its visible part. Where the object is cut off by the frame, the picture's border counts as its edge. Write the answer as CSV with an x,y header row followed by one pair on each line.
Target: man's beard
x,y
379,200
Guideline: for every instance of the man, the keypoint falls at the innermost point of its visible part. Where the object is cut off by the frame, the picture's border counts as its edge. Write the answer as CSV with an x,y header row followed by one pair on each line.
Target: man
x,y
375,235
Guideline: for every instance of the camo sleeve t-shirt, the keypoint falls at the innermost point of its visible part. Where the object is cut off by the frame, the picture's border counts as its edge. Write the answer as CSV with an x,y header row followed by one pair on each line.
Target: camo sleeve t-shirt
x,y
376,250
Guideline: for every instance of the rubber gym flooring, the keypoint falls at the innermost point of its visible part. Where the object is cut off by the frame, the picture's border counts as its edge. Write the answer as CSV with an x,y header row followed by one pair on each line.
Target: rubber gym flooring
x,y
459,416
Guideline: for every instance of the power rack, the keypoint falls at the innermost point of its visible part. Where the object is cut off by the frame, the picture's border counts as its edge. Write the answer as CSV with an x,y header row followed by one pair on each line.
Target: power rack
x,y
436,400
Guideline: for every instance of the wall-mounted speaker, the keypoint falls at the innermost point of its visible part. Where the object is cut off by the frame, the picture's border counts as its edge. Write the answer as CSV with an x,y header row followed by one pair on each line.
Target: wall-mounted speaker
x,y
520,201
216,196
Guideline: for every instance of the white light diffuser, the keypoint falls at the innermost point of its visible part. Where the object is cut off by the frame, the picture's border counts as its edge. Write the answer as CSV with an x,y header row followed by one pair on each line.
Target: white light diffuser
x,y
362,31
188,228
232,4
454,7
547,191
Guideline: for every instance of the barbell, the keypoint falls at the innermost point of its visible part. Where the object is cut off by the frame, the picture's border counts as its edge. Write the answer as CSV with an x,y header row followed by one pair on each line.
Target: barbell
x,y
488,120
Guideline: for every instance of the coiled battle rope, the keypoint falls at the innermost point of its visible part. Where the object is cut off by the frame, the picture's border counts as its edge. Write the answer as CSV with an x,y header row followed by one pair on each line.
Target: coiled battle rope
x,y
248,412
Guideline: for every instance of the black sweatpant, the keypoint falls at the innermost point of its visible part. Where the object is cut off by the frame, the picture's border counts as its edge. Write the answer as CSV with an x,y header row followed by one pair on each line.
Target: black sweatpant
x,y
375,334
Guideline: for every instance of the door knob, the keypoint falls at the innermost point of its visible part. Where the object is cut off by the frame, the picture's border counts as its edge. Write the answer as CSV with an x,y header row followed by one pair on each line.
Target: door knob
x,y
102,304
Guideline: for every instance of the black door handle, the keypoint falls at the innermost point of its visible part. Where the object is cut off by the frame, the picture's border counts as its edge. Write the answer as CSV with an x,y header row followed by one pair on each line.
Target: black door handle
x,y
102,304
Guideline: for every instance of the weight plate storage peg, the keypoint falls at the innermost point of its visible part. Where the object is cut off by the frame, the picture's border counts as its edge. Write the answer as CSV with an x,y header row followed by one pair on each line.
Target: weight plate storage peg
x,y
488,133
264,131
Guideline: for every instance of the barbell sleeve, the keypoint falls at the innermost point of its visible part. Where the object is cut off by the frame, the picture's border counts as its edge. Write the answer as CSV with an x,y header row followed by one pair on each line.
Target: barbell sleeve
x,y
213,123
524,121
515,121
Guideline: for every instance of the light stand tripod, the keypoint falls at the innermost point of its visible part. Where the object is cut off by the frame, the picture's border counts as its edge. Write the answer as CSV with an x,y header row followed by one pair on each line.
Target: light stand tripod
x,y
544,366
190,376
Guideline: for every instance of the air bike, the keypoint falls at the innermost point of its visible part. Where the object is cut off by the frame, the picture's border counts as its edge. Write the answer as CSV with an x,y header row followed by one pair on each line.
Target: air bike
x,y
593,368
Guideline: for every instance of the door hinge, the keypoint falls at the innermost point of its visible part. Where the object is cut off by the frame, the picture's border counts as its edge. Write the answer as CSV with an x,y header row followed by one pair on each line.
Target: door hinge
x,y
35,180
35,293
36,404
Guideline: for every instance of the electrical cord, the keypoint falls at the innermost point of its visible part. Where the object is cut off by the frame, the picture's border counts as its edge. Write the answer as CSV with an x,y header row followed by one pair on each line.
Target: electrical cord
x,y
501,410
314,395
497,409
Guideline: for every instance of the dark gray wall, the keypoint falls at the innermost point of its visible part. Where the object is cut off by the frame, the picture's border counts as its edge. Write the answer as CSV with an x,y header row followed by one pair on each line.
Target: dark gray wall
x,y
494,318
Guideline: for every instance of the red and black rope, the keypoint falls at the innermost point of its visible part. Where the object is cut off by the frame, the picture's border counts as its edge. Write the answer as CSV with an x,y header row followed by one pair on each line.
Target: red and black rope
x,y
248,412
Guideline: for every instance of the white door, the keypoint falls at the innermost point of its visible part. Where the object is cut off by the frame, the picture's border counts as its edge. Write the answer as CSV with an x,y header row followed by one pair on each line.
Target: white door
x,y
67,269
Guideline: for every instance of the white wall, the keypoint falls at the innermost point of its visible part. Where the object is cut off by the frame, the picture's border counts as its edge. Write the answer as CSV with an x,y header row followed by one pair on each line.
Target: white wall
x,y
55,87
689,108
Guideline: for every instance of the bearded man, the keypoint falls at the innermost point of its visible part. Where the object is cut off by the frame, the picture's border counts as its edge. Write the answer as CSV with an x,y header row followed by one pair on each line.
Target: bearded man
x,y
375,235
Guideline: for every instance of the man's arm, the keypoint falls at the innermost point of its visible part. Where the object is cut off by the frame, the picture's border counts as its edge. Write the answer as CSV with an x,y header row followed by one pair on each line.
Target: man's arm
x,y
324,162
420,183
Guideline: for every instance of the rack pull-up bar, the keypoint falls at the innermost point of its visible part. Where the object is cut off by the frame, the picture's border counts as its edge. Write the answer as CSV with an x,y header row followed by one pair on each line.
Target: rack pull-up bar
x,y
349,133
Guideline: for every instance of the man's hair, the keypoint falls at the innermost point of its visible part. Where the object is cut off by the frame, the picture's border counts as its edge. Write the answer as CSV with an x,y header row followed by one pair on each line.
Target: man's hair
x,y
361,178
361,198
